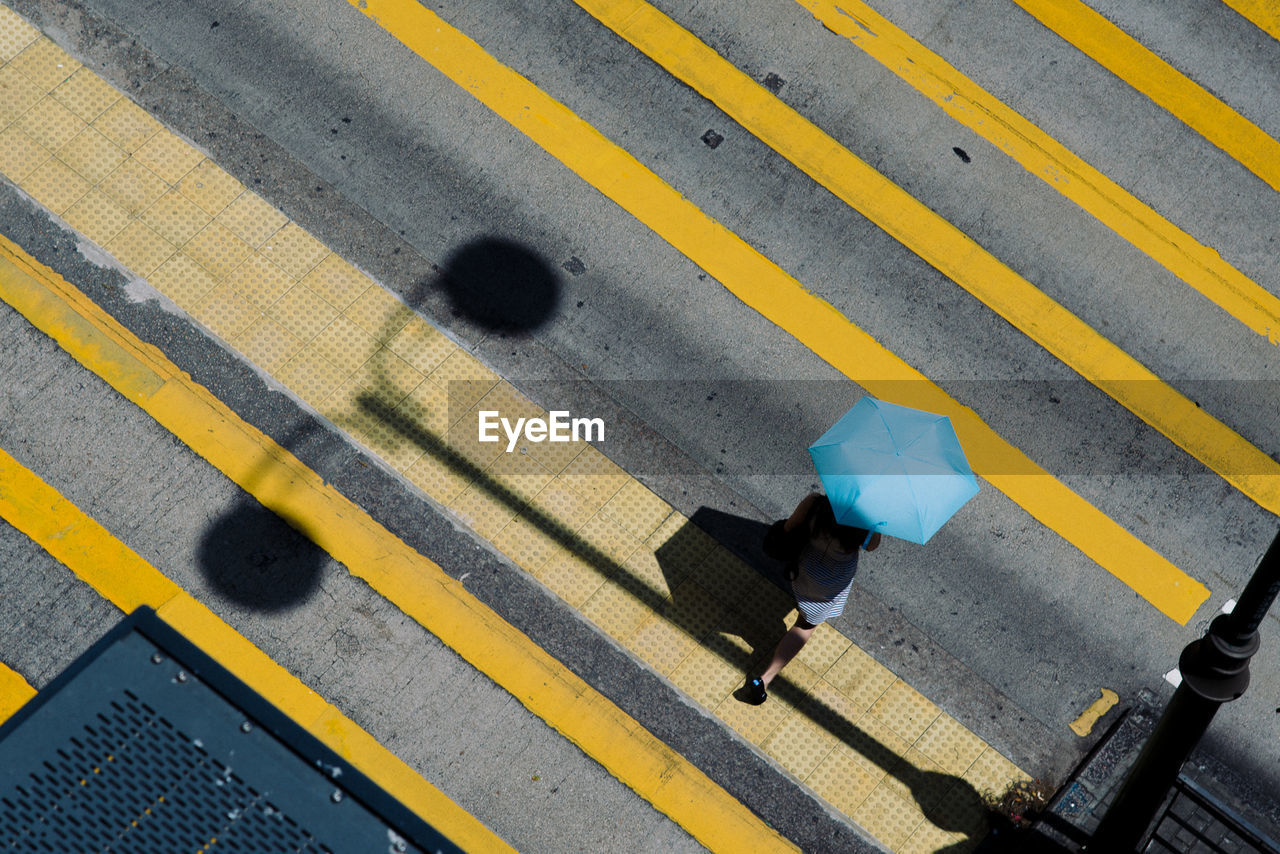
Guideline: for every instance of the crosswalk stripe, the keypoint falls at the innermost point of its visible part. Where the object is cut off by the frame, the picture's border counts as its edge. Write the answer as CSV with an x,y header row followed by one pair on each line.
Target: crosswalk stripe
x,y
1263,14
1188,101
14,692
1040,154
776,295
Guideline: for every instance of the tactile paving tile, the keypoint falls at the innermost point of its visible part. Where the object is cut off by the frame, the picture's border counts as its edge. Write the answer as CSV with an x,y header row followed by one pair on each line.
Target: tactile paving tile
x,y
162,152
15,34
267,344
860,677
175,217
310,376
425,410
401,452
92,155
294,250
660,644
467,449
844,779
379,313
51,123
905,710
97,216
252,219
560,501
55,185
616,609
437,475
226,312
638,509
960,811
570,577
594,475
45,64
727,574
918,779
217,250
484,509
948,743
991,772
695,610
17,94
647,569
139,248
86,94
929,839
345,344
134,186
338,282
680,545
210,187
799,744
754,723
20,155
260,281
824,648
421,344
182,280
131,127
887,816
526,544
706,676
609,538
302,312
520,474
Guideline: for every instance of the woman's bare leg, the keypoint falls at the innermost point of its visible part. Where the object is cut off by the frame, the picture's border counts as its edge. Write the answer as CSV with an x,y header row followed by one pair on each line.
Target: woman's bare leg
x,y
792,642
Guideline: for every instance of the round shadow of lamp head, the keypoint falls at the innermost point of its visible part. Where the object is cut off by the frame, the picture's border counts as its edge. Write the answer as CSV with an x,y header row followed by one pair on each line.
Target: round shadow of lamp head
x,y
501,285
252,557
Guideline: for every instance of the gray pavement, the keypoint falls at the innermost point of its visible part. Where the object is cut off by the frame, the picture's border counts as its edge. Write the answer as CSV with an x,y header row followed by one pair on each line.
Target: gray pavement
x,y
714,405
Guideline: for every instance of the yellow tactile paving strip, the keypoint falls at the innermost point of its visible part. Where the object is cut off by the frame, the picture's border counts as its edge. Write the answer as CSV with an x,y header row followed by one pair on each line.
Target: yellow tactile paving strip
x,y
848,728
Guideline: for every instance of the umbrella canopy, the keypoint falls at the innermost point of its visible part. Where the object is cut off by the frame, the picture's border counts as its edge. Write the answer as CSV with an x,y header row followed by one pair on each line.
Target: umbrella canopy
x,y
893,469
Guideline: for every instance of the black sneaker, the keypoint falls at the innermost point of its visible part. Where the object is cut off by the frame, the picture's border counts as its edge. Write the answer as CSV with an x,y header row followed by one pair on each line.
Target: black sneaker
x,y
754,692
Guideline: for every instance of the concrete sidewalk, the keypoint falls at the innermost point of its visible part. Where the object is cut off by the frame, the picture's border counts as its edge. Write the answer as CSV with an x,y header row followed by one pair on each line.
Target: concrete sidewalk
x,y
840,724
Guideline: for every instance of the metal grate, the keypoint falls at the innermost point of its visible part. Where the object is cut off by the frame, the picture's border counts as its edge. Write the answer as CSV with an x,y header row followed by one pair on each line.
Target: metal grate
x,y
1194,821
140,749
132,762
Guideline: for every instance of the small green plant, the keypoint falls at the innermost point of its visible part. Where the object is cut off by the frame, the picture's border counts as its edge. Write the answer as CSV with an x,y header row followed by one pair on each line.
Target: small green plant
x,y
1020,801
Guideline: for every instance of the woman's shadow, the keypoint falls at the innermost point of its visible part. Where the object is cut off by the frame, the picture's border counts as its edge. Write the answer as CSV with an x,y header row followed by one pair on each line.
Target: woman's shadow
x,y
745,623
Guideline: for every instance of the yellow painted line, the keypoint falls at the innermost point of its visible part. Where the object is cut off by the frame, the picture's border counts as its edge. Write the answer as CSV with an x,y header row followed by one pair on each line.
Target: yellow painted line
x,y
1188,101
1263,14
14,692
777,296
1089,718
945,247
412,582
118,574
1040,154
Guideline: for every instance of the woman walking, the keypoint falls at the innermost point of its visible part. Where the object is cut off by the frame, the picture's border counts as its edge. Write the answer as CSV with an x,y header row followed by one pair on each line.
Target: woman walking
x,y
821,578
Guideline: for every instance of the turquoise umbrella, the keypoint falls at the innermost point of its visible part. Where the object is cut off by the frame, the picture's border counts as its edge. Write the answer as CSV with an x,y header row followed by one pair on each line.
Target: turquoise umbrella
x,y
893,469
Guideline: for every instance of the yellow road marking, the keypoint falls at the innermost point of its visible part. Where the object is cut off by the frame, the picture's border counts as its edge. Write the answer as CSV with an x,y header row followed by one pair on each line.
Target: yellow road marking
x,y
14,692
1264,14
119,575
1089,718
946,248
781,299
412,582
1040,154
1186,100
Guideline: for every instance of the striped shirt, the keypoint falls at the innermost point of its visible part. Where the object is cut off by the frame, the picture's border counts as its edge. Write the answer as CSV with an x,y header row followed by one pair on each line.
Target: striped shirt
x,y
821,586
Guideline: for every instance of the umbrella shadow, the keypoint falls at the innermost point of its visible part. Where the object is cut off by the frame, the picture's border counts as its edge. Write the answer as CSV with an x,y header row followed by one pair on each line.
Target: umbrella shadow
x,y
497,284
